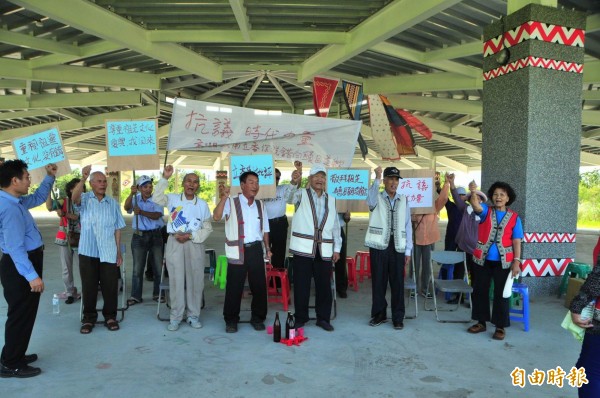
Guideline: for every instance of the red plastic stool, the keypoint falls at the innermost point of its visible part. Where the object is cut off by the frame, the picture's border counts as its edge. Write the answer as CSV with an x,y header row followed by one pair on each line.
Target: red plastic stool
x,y
274,296
363,262
352,282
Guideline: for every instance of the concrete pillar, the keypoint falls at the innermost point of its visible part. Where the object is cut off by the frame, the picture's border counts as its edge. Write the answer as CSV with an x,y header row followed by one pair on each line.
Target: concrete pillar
x,y
532,130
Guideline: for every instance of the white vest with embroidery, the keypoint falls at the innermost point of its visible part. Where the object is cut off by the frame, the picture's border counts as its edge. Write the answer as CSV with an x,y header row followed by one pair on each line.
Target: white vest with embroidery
x,y
380,224
306,234
234,230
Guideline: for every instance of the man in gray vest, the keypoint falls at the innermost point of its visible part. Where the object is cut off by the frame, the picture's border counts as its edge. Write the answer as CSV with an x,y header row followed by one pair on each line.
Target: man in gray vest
x,y
389,238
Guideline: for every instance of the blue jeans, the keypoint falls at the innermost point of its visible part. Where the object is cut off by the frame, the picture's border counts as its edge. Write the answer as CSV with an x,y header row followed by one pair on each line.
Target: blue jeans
x,y
149,243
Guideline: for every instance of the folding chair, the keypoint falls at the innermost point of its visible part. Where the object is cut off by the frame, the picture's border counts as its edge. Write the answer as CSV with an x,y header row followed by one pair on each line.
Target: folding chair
x,y
410,284
449,286
123,289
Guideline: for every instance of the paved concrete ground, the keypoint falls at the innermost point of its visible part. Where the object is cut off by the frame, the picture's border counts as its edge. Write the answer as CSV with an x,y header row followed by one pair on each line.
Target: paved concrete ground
x,y
426,359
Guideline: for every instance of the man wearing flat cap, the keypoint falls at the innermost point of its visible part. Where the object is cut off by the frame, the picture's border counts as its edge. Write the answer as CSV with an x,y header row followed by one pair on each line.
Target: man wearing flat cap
x,y
389,239
315,243
147,237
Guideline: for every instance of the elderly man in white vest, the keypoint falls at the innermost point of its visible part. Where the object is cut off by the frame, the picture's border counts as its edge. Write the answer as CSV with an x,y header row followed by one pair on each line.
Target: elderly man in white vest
x,y
315,243
246,241
389,239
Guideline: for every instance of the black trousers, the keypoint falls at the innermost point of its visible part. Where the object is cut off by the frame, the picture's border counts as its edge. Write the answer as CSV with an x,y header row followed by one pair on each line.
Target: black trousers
x,y
254,268
482,276
92,272
341,270
22,308
387,266
278,240
306,268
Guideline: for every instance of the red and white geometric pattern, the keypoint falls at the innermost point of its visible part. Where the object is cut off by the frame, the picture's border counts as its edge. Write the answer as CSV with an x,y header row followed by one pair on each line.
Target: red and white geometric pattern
x,y
545,266
534,30
536,62
549,237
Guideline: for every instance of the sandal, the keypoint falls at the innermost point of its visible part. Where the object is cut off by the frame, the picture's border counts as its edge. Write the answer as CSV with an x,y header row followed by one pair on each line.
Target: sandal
x,y
86,328
112,325
133,301
477,328
499,334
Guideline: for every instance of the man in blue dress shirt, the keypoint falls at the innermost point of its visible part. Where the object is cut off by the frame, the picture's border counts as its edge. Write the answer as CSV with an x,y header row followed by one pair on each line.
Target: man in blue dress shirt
x,y
21,263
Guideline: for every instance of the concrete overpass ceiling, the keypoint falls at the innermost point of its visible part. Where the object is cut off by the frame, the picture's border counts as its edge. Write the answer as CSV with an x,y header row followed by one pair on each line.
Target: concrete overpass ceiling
x,y
82,62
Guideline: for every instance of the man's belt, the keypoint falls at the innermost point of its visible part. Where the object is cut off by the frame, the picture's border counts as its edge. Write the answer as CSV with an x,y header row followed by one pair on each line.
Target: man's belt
x,y
150,230
39,249
252,244
277,219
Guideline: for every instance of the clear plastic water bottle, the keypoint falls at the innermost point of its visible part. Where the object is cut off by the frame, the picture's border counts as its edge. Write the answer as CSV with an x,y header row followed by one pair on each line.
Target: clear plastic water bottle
x,y
211,276
55,304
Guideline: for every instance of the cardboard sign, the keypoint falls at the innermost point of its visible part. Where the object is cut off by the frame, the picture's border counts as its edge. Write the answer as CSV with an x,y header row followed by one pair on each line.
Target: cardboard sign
x,y
132,145
419,187
41,149
260,164
350,187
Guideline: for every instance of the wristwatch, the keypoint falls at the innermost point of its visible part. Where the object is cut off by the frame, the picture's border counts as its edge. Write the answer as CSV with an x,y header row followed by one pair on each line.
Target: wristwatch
x,y
518,259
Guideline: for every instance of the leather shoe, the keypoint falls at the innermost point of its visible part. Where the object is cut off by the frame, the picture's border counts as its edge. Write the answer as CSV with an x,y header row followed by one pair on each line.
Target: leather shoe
x,y
30,358
325,325
398,325
342,294
231,328
25,371
258,326
378,320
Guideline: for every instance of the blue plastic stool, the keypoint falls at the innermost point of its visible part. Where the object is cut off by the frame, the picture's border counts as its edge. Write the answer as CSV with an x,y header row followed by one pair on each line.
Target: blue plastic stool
x,y
520,314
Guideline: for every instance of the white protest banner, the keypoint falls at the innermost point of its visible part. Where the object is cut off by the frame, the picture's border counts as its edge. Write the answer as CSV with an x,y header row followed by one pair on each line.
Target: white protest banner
x,y
40,149
204,126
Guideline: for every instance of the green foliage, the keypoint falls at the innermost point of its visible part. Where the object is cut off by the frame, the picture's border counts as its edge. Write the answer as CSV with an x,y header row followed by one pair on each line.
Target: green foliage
x,y
588,212
61,182
207,188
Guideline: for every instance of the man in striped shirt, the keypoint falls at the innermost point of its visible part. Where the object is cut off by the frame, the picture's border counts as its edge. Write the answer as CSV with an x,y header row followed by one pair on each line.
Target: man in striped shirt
x,y
99,249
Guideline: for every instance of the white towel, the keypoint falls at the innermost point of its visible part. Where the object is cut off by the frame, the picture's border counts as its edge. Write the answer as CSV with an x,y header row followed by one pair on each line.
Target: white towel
x,y
508,286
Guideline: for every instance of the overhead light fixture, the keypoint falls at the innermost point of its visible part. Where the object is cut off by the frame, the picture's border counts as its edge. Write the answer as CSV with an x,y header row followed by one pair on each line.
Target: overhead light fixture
x,y
265,80
307,85
38,23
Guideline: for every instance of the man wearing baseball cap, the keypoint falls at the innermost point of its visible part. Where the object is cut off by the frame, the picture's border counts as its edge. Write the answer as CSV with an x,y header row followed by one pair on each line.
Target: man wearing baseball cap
x,y
389,239
315,243
147,237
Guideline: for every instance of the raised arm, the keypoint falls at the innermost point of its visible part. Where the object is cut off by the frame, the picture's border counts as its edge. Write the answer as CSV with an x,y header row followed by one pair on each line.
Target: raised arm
x,y
374,189
223,197
159,196
78,190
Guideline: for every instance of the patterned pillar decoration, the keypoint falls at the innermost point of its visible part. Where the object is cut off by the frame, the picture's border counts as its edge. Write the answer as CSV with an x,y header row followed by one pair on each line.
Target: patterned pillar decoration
x,y
532,129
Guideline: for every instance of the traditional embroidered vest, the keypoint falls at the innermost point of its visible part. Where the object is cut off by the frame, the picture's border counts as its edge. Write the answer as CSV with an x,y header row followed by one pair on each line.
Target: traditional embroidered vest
x,y
306,234
501,234
380,224
234,230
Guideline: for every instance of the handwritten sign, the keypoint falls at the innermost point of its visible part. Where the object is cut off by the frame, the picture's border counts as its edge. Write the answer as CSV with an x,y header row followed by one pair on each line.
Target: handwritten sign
x,y
39,149
132,145
131,137
348,184
204,126
419,188
260,164
418,191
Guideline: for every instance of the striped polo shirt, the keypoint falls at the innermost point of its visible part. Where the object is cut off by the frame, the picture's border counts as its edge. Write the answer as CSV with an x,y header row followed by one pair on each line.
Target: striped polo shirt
x,y
99,221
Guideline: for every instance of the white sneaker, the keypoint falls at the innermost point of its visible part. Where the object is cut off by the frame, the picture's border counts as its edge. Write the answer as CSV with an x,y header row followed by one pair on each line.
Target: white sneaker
x,y
194,322
173,326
